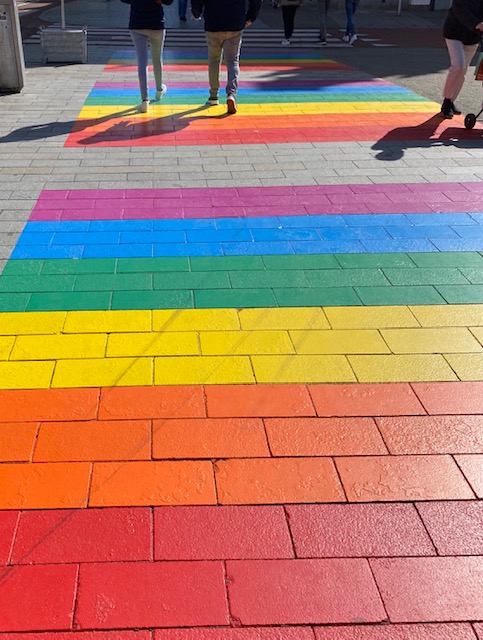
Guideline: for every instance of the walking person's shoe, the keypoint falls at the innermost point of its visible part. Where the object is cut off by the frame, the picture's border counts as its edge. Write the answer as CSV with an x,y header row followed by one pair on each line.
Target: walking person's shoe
x,y
454,108
285,42
212,101
322,41
182,18
143,107
352,39
160,94
346,38
447,109
231,103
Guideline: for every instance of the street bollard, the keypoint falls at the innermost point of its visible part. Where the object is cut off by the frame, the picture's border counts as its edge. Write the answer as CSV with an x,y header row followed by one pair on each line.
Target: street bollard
x,y
12,66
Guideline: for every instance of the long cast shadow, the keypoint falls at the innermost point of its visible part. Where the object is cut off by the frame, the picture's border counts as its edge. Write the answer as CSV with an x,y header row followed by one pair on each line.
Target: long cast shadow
x,y
394,143
146,128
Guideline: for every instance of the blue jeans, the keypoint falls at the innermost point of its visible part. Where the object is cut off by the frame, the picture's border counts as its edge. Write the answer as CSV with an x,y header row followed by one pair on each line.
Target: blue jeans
x,y
227,43
155,38
350,9
182,8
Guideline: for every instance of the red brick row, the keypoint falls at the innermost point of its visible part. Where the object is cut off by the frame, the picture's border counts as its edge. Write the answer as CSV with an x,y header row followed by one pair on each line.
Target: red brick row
x,y
241,532
242,401
146,595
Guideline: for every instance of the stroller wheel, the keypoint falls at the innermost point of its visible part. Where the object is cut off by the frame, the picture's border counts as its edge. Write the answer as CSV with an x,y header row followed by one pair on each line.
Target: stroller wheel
x,y
470,121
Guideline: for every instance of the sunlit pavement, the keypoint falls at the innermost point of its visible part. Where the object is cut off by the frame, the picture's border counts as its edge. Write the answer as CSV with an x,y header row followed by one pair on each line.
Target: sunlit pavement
x,y
241,357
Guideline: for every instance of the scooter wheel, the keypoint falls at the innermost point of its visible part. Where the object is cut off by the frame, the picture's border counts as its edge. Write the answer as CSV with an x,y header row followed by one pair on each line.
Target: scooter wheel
x,y
470,121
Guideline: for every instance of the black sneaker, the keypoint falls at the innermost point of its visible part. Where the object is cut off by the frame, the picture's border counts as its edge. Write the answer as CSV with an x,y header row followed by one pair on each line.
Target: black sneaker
x,y
455,109
447,109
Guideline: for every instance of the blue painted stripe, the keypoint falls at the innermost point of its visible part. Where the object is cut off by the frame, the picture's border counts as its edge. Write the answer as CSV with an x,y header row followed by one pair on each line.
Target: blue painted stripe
x,y
191,92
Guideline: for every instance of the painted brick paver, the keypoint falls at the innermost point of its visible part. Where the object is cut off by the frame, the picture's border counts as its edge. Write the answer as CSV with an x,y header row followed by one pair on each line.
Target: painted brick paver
x,y
250,409
303,591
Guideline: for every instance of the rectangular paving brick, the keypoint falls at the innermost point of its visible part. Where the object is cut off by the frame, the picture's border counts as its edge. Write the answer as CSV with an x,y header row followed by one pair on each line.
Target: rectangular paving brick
x,y
450,397
365,400
302,591
246,633
432,434
449,631
429,340
203,370
472,467
48,404
44,486
284,319
8,526
36,598
84,535
219,533
145,595
17,441
430,589
152,402
450,315
96,440
370,317
103,372
397,478
277,481
152,484
324,437
401,368
456,528
107,321
358,530
302,368
209,438
259,400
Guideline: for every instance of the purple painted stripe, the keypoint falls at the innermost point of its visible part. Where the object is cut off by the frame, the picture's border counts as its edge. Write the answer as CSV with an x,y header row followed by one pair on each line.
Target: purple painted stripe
x,y
257,201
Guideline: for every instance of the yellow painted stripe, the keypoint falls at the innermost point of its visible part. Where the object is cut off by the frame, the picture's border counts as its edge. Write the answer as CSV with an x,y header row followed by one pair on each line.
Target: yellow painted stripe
x,y
273,109
226,346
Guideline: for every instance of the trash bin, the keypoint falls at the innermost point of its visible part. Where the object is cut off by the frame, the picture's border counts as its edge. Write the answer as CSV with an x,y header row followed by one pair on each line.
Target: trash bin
x,y
12,66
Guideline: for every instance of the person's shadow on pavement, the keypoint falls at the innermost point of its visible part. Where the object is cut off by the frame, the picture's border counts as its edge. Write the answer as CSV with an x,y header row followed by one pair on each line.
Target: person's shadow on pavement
x,y
392,146
147,127
53,129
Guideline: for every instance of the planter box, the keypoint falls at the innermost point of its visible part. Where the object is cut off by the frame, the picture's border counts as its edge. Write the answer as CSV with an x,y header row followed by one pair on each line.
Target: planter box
x,y
64,45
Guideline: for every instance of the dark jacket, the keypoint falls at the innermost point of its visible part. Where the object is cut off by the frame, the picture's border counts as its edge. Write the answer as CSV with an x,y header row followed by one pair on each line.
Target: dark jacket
x,y
146,14
226,15
461,21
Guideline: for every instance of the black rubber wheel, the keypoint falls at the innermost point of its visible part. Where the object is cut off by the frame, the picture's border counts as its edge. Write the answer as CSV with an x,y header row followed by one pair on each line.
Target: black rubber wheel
x,y
470,121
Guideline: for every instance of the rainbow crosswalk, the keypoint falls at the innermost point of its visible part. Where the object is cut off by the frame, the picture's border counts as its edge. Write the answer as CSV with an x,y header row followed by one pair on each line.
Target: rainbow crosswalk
x,y
295,97
245,413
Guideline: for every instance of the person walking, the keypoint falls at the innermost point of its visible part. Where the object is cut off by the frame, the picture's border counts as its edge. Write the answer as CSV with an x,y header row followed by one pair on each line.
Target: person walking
x,y
224,24
146,25
323,11
350,32
182,9
462,31
289,9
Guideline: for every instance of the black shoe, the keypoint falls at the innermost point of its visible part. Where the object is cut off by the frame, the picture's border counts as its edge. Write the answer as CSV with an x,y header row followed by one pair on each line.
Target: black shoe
x,y
447,109
455,109
182,18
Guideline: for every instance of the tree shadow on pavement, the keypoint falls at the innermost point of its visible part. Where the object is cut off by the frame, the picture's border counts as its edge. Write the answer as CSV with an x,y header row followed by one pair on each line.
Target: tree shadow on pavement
x,y
392,146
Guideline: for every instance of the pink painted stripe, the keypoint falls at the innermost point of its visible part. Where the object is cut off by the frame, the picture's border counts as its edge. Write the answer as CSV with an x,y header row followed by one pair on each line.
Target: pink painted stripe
x,y
257,201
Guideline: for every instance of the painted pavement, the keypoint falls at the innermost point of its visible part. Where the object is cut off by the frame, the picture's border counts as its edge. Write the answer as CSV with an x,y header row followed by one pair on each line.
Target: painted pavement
x,y
244,413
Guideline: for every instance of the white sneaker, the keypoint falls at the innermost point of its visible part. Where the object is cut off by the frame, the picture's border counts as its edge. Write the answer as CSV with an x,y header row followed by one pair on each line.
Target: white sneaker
x,y
346,38
160,94
352,39
285,42
212,102
143,107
